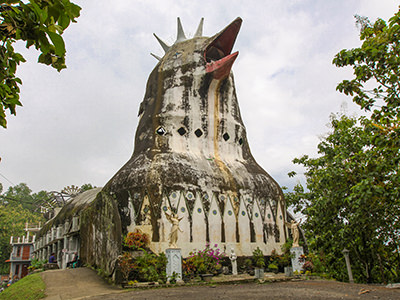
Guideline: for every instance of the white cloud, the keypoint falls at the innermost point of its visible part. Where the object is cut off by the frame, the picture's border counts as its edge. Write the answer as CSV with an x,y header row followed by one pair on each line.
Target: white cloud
x,y
78,126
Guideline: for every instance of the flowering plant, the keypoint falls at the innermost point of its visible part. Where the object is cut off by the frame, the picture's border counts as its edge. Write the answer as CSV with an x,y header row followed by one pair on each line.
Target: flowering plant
x,y
207,261
136,240
125,263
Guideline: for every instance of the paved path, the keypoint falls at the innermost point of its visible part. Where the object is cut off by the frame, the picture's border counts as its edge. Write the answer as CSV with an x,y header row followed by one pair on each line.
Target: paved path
x,y
83,283
75,284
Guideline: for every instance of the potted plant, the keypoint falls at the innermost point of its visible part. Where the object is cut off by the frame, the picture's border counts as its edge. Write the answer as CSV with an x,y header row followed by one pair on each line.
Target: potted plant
x,y
259,263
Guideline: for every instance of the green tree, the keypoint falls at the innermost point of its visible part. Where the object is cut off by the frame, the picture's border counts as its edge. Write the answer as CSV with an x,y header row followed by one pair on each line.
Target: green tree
x,y
22,194
18,205
376,64
13,218
349,203
87,186
39,23
352,193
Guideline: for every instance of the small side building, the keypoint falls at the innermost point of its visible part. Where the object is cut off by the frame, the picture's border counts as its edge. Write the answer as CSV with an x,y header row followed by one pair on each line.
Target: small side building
x,y
61,235
21,254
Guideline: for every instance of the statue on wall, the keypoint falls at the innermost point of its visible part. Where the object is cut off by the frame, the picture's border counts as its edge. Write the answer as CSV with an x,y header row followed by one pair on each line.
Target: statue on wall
x,y
173,236
294,229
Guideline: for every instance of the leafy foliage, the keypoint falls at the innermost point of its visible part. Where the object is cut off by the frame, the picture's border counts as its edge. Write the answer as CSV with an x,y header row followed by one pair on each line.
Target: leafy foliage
x,y
136,240
279,262
17,207
22,194
376,65
37,264
258,258
13,218
147,267
206,261
352,201
352,194
86,187
40,23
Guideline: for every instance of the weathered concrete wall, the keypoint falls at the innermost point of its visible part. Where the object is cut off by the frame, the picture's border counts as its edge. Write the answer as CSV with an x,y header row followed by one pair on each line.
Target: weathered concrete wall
x,y
100,233
192,158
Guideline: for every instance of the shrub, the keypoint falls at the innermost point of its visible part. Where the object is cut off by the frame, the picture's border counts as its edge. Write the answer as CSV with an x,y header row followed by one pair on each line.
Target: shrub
x,y
207,261
37,264
308,266
147,267
272,268
258,258
136,240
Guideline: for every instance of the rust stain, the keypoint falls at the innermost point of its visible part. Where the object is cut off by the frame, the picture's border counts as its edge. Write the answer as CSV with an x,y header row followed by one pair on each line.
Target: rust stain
x,y
221,165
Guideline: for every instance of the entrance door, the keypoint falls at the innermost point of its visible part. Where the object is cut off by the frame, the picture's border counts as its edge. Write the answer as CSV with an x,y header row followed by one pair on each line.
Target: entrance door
x,y
24,270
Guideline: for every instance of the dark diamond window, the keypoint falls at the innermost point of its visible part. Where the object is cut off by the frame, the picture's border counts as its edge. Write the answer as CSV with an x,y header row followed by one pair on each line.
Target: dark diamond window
x,y
240,141
226,136
198,133
181,131
161,131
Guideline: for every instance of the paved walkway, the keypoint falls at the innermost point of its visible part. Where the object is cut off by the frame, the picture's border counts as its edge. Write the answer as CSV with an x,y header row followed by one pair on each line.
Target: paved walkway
x,y
84,283
75,284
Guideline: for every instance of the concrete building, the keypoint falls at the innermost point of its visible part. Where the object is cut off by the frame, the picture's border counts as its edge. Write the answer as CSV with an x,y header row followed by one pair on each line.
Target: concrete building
x,y
191,159
22,252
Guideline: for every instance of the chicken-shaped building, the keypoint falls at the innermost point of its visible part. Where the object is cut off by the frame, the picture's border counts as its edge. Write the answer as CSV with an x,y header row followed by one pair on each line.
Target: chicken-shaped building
x,y
191,159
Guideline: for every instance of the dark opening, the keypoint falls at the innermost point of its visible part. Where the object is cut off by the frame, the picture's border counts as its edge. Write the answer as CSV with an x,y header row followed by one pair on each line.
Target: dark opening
x,y
240,141
198,133
181,131
161,131
213,54
226,136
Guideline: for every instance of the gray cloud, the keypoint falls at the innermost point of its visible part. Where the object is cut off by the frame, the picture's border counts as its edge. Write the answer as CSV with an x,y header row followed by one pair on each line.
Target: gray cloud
x,y
78,126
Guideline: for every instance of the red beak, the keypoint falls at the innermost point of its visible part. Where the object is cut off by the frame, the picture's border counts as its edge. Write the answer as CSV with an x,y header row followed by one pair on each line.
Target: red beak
x,y
218,52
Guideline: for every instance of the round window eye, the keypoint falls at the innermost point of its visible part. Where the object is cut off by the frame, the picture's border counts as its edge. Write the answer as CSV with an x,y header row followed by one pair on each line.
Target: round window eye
x,y
161,131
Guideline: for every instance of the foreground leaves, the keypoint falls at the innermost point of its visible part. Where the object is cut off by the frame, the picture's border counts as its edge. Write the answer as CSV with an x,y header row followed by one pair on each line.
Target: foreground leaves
x,y
40,23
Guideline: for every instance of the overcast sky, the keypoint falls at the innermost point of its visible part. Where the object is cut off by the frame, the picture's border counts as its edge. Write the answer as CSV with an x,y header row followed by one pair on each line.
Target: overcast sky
x,y
78,126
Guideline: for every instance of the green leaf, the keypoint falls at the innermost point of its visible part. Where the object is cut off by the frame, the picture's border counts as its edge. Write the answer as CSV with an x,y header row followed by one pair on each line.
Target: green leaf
x,y
58,43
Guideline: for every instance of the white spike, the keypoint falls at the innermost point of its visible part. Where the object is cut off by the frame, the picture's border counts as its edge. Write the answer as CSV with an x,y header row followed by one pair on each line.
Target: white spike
x,y
181,34
199,31
155,56
163,45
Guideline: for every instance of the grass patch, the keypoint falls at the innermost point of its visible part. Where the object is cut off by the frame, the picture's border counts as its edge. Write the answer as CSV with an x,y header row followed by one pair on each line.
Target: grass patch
x,y
30,287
